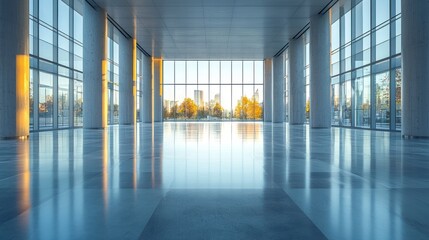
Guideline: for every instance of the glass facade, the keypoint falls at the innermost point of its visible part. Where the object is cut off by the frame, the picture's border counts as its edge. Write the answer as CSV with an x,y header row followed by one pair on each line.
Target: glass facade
x,y
56,76
213,90
113,74
56,51
366,64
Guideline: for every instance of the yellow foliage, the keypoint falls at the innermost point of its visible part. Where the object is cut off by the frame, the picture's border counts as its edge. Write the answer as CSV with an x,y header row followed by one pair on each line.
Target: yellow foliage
x,y
248,109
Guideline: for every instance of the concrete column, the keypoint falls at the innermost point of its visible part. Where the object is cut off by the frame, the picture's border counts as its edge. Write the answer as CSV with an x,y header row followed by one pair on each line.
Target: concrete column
x,y
268,90
320,75
94,67
127,96
146,106
415,70
296,82
278,90
157,89
14,70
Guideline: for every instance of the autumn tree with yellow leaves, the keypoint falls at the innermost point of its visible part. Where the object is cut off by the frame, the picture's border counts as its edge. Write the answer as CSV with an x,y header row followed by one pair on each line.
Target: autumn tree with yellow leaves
x,y
188,108
248,109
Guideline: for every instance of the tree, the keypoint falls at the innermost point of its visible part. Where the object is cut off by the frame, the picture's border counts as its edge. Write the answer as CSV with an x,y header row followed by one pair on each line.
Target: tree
x,y
248,109
188,108
203,112
217,110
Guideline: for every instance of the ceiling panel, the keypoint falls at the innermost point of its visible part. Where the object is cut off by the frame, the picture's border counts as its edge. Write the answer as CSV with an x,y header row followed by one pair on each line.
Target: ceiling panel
x,y
208,29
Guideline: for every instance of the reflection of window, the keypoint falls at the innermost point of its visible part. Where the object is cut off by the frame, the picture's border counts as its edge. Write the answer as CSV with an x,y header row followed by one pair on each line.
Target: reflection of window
x,y
213,90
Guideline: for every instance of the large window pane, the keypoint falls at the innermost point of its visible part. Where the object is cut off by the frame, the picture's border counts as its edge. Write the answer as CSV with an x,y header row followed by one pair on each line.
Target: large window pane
x,y
216,109
214,72
46,100
180,70
168,74
248,72
203,72
170,106
382,12
237,102
78,103
63,102
225,101
259,72
64,17
347,103
180,93
336,104
225,72
398,95
237,72
46,11
203,102
382,100
363,101
191,72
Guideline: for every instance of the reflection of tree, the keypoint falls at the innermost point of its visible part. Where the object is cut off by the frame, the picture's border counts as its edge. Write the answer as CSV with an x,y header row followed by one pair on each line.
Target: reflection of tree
x,y
188,108
217,110
248,109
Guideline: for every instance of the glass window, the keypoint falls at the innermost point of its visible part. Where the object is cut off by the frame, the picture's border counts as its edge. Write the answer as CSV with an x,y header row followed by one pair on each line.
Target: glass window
x,y
203,72
237,72
214,72
168,74
64,17
248,72
46,11
63,102
170,106
382,100
382,12
346,103
398,98
336,104
46,100
180,70
363,102
191,72
225,72
78,104
259,72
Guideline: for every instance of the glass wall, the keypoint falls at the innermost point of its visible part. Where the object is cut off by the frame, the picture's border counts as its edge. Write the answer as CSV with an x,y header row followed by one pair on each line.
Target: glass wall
x,y
366,64
56,51
113,74
213,90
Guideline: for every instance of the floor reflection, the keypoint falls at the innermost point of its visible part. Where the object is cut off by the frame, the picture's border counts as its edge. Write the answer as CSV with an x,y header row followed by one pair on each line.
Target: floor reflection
x,y
229,179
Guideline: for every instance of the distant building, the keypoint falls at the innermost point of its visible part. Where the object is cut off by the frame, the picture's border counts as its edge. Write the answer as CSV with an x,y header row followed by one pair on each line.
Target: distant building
x,y
256,95
199,97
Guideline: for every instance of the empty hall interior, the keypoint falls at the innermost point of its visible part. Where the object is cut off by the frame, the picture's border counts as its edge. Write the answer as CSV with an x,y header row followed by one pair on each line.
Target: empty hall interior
x,y
214,119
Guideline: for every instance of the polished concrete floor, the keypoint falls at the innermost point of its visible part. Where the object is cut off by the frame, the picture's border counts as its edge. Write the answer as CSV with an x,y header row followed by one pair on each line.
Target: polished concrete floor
x,y
214,181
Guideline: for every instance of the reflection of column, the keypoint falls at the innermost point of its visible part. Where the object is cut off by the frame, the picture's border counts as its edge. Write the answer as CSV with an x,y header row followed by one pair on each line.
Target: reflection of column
x,y
94,67
279,154
296,82
278,93
146,109
268,93
127,78
157,89
14,69
320,81
415,62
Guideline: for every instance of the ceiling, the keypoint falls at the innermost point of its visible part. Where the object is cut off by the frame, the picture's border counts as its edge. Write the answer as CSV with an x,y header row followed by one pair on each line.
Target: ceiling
x,y
212,29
